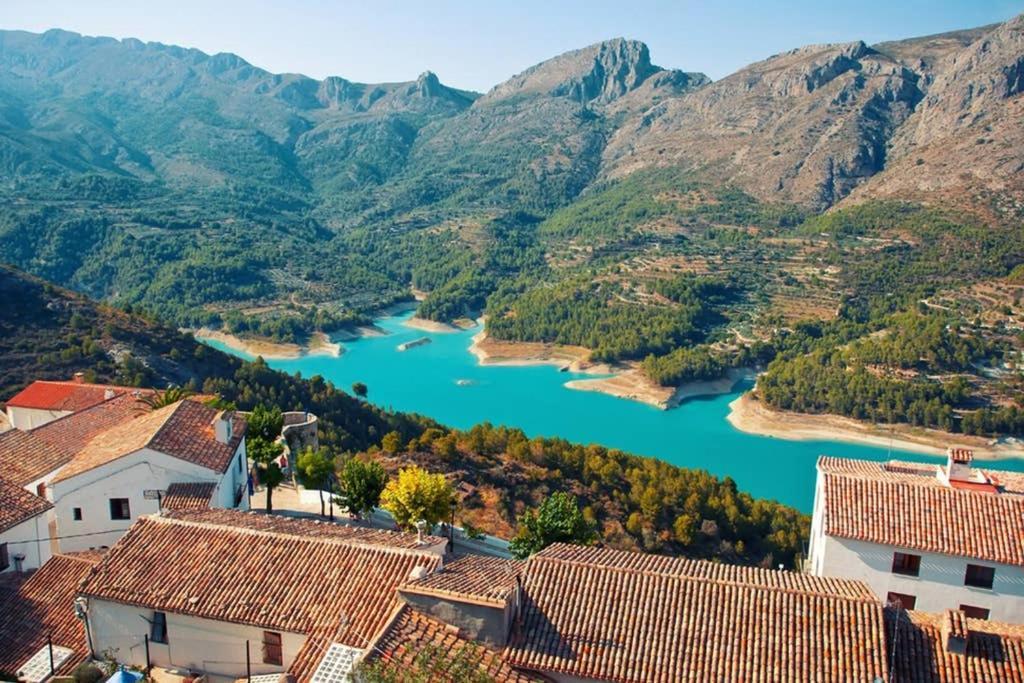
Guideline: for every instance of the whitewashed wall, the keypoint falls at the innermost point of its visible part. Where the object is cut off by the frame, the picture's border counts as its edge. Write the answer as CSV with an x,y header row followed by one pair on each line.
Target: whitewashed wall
x,y
31,538
939,585
127,477
215,647
30,418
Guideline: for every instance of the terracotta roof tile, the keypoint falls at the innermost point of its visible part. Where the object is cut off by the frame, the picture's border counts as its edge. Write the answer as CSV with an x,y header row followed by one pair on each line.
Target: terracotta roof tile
x,y
182,430
236,570
473,577
917,646
26,456
906,505
188,496
64,396
416,644
663,622
18,505
42,605
277,524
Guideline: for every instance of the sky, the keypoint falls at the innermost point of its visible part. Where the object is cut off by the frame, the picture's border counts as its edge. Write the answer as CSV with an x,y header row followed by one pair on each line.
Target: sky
x,y
477,44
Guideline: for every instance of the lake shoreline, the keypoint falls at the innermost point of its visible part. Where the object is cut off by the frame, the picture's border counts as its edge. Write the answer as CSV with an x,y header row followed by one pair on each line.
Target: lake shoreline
x,y
751,416
319,344
625,380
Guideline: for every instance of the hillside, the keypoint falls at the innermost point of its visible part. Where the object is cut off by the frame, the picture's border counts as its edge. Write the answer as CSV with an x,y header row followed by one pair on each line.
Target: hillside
x,y
594,200
48,333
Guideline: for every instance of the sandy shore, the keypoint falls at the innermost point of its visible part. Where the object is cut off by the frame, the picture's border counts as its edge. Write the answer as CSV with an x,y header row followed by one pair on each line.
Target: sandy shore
x,y
319,344
631,383
429,325
752,416
492,352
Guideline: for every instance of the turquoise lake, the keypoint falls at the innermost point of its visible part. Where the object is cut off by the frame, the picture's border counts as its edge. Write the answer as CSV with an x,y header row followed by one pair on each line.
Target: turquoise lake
x,y
426,380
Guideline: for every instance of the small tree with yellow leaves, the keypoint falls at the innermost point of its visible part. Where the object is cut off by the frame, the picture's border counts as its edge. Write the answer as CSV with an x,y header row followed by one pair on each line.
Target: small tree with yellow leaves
x,y
416,494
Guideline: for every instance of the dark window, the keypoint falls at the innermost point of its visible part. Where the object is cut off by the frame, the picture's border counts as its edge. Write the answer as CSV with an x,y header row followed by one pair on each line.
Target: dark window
x,y
240,459
272,648
974,612
979,576
5,560
158,628
76,514
908,565
901,600
119,509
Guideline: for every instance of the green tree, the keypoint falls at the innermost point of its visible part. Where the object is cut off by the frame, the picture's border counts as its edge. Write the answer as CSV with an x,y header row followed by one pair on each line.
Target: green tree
x,y
360,389
162,399
557,520
392,442
314,469
360,484
416,494
265,423
264,427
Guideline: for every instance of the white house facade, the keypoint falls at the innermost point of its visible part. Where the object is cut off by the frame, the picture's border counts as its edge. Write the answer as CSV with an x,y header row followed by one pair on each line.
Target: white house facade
x,y
927,537
128,471
24,529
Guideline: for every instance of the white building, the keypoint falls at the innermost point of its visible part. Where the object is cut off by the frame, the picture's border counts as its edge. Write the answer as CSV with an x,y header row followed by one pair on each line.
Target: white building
x,y
125,471
24,529
44,401
225,592
931,537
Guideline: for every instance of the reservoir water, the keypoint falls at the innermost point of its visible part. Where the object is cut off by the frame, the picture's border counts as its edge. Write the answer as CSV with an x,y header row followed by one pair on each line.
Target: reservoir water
x,y
442,380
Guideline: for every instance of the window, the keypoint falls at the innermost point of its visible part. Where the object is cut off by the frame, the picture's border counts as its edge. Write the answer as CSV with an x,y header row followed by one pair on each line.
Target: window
x,y
240,459
5,560
901,600
158,628
979,576
974,612
76,514
272,648
119,509
908,565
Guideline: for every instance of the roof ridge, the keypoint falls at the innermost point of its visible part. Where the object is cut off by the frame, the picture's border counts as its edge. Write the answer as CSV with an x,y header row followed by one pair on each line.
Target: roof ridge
x,y
1001,495
866,598
168,519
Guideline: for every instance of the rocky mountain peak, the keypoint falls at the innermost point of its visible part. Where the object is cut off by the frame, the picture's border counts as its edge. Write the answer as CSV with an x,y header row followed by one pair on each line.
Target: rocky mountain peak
x,y
428,84
599,73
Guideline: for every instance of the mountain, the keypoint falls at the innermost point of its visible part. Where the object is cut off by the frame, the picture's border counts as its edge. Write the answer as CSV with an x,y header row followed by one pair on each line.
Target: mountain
x,y
811,125
966,136
208,191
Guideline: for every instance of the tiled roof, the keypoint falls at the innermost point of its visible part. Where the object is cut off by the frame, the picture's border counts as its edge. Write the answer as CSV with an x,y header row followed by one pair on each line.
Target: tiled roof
x,y
182,430
619,619
188,496
26,456
474,577
277,524
418,645
64,396
18,505
234,569
906,505
713,571
42,605
994,652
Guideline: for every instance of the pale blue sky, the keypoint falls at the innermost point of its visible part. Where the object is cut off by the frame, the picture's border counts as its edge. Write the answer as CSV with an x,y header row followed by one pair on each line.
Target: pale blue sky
x,y
477,44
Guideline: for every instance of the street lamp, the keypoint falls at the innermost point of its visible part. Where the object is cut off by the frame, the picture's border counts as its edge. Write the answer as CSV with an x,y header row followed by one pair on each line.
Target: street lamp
x,y
451,527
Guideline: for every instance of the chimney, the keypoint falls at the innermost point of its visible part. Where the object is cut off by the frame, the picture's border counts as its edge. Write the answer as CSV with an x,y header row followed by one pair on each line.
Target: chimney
x,y
108,394
222,427
954,631
78,378
958,464
19,563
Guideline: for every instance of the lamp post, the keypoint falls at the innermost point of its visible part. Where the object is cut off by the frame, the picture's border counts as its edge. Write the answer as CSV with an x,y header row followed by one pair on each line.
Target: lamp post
x,y
451,527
